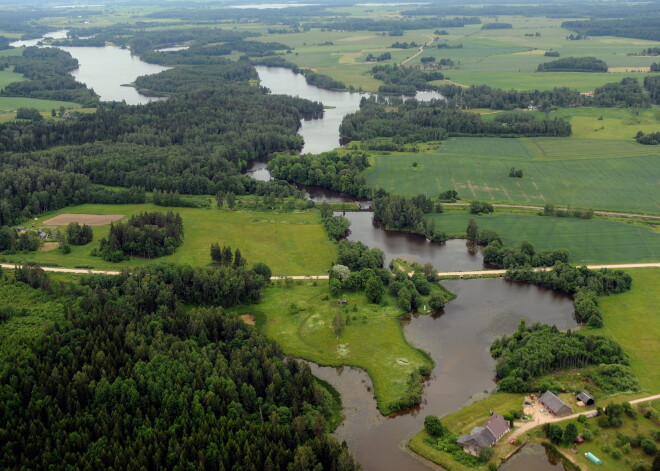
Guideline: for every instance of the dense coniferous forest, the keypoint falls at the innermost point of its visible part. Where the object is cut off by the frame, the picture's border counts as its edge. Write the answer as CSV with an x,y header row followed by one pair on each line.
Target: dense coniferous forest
x,y
484,96
400,80
416,121
533,351
130,379
368,24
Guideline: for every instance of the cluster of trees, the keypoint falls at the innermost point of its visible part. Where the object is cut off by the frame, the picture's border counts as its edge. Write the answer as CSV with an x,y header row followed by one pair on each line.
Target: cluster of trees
x,y
29,113
650,139
357,256
655,67
187,78
495,253
533,351
571,279
642,26
335,226
404,45
496,26
11,242
402,80
147,235
415,121
340,172
551,54
128,384
385,56
651,51
481,207
75,234
627,93
225,257
397,212
652,85
173,198
516,172
322,80
575,37
47,70
573,64
549,209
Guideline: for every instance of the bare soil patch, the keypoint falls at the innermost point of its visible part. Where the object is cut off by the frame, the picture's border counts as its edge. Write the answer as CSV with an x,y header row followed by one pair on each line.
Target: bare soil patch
x,y
89,219
248,319
628,70
48,246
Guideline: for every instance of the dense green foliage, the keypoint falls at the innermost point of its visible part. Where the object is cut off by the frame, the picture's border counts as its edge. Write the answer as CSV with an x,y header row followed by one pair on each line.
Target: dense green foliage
x,y
394,25
48,72
652,84
335,226
627,93
416,121
397,212
402,80
147,235
650,139
128,382
533,351
357,256
573,64
340,172
495,253
75,234
496,26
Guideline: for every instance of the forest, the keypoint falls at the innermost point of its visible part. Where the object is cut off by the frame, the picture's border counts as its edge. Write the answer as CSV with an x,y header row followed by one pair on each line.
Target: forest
x,y
535,350
640,27
416,121
128,381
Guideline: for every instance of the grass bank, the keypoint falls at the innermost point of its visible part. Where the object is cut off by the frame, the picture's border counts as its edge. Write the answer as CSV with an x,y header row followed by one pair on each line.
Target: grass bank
x,y
300,319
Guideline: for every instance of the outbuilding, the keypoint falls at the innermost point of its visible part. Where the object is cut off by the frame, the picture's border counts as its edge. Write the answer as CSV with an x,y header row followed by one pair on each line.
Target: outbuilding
x,y
555,405
586,398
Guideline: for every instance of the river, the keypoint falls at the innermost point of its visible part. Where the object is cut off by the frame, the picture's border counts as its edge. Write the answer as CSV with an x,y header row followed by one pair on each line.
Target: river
x,y
458,340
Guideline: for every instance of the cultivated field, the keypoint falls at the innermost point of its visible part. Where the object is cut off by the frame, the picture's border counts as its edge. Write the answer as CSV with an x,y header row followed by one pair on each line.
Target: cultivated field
x,y
290,243
89,219
589,241
583,173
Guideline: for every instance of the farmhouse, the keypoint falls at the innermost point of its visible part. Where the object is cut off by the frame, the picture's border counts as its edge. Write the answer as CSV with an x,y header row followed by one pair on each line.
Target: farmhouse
x,y
484,436
585,398
555,405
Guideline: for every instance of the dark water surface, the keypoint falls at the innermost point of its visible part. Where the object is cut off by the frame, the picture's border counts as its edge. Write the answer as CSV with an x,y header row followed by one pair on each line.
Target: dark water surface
x,y
458,340
452,255
533,458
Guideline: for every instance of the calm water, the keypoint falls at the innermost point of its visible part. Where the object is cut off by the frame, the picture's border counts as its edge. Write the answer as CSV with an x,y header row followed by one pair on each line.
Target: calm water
x,y
106,69
458,340
321,135
452,255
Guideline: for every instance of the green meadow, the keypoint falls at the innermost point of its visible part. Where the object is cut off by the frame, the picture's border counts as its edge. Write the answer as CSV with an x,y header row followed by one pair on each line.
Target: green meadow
x,y
633,320
589,241
290,243
581,173
300,319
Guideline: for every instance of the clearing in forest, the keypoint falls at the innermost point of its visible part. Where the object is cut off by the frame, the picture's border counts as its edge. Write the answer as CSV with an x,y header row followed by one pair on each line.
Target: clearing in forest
x,y
89,219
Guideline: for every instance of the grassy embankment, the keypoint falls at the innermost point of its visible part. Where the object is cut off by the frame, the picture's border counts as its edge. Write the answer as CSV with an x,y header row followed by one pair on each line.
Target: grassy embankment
x,y
631,319
300,319
582,173
290,243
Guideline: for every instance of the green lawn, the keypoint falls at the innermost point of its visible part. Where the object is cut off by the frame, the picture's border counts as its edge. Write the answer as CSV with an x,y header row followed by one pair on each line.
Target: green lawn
x,y
584,173
11,104
300,318
590,241
8,76
290,243
633,320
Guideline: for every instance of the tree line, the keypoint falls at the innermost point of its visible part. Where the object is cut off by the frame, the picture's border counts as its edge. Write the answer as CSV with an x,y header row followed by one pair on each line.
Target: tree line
x,y
126,381
573,64
403,80
639,27
414,121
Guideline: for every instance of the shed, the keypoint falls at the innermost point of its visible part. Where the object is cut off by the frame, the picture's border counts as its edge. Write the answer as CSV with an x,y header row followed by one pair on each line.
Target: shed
x,y
555,405
586,398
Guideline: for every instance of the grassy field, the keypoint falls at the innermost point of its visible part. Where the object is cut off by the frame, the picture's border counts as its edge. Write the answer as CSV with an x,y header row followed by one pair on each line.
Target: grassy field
x,y
584,173
11,104
300,318
633,320
589,241
290,243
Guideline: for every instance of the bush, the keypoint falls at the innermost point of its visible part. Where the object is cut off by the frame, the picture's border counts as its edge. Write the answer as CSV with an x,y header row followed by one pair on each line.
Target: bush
x,y
649,447
480,207
434,426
